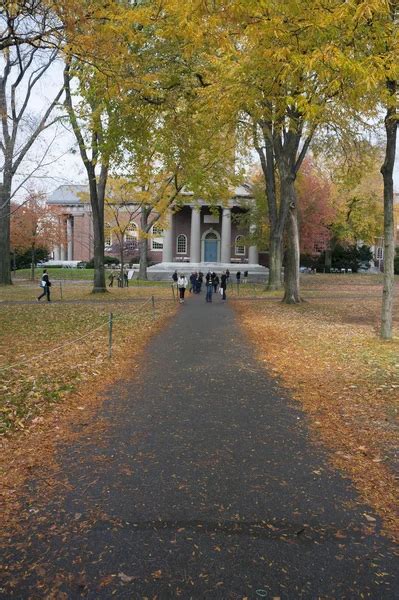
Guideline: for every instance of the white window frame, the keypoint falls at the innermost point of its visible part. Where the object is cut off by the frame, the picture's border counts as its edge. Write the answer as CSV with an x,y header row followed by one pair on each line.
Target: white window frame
x,y
181,236
157,240
131,236
239,249
107,236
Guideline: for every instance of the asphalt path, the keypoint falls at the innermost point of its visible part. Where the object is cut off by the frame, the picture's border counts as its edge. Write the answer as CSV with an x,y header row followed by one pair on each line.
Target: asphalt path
x,y
202,482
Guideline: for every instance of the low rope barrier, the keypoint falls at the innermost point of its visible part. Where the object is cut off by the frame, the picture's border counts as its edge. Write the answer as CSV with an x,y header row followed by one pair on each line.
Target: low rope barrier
x,y
108,323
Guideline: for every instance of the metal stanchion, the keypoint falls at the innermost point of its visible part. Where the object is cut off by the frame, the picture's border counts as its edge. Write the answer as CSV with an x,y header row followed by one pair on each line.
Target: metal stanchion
x,y
61,289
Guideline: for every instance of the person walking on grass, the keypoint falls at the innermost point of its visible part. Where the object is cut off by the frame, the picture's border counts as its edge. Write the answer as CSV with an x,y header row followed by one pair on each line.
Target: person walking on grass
x,y
45,284
111,280
182,284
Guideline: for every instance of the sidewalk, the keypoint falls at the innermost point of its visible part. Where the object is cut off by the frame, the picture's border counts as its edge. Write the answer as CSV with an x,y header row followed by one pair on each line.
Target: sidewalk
x,y
203,484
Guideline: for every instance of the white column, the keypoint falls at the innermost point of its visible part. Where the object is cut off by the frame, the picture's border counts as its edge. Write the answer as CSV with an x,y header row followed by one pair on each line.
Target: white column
x,y
168,240
69,225
226,236
253,256
57,253
195,236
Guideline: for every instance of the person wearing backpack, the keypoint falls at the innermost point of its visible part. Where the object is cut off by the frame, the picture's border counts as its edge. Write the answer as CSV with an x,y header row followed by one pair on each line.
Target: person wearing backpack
x,y
45,284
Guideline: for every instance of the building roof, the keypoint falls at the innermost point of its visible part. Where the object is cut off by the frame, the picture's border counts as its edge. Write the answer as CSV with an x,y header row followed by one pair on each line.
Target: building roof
x,y
71,194
67,194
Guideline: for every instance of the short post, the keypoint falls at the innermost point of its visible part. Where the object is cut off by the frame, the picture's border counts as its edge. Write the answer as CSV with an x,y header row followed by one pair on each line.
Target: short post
x,y
61,289
153,304
110,335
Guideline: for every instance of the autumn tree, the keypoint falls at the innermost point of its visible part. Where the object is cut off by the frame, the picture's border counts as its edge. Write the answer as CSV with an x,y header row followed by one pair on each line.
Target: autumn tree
x,y
316,209
121,212
185,150
34,225
28,49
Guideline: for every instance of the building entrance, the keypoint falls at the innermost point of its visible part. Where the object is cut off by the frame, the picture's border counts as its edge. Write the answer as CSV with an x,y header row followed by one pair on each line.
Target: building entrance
x,y
211,248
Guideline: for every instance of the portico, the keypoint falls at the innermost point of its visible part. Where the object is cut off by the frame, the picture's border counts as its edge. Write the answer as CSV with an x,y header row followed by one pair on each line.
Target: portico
x,y
214,236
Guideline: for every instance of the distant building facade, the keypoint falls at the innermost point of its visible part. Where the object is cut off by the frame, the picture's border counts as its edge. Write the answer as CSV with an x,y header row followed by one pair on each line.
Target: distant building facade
x,y
195,233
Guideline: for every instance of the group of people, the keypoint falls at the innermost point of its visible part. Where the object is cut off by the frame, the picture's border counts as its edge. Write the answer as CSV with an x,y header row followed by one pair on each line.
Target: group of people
x,y
122,282
213,284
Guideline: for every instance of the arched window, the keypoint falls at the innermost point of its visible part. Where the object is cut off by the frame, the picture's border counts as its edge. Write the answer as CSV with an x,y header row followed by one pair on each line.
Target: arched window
x,y
107,235
131,237
157,239
239,245
181,244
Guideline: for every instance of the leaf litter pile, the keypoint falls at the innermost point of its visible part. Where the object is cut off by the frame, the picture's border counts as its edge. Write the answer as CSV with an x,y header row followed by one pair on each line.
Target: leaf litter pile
x,y
56,383
328,354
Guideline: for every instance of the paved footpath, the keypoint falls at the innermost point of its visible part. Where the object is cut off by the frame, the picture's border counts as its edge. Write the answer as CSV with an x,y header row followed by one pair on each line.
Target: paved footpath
x,y
204,483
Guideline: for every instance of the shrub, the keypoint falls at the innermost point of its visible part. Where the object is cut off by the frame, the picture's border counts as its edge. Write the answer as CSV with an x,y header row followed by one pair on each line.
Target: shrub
x,y
108,260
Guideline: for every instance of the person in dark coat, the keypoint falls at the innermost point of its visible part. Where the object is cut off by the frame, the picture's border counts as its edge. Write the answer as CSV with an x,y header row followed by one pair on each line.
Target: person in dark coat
x,y
223,285
209,288
45,284
215,282
193,278
199,281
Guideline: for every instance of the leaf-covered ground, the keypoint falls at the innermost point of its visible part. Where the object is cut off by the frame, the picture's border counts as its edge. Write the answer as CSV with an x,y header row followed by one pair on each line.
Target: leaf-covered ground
x,y
327,352
40,361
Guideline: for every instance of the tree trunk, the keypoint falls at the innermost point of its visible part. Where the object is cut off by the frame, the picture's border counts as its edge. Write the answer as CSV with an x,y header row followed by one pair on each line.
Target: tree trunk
x,y
389,234
98,231
291,272
143,245
275,262
122,258
5,262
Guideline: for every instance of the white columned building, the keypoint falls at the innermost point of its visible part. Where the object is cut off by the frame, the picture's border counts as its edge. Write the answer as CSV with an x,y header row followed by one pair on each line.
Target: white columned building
x,y
253,254
195,238
69,224
168,240
225,255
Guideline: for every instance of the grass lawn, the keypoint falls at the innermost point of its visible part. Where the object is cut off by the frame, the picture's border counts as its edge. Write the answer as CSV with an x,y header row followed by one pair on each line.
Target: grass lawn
x,y
38,342
65,290
327,352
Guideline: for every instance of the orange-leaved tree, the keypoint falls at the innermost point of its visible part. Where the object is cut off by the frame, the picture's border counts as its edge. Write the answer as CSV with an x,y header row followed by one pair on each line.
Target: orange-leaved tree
x,y
34,225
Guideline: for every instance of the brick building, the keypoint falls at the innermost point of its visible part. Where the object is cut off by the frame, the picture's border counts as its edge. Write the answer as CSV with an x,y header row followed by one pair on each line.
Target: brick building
x,y
196,234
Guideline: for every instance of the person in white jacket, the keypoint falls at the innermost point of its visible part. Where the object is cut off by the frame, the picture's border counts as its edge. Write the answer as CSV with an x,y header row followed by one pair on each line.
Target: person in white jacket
x,y
182,284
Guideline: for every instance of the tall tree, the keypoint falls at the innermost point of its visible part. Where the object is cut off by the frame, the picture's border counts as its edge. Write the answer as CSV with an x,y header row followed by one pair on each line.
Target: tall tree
x,y
34,225
391,127
121,212
23,67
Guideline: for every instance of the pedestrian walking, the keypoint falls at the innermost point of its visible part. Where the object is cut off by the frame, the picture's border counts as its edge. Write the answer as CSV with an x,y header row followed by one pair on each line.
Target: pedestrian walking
x,y
245,279
193,278
215,282
182,284
45,284
126,279
200,279
223,285
111,280
227,274
209,289
175,277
